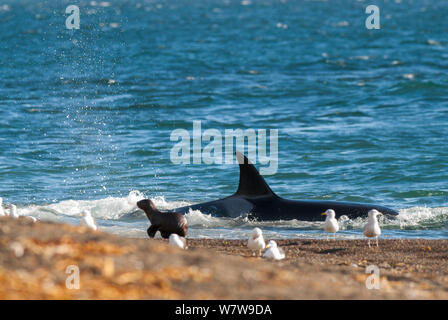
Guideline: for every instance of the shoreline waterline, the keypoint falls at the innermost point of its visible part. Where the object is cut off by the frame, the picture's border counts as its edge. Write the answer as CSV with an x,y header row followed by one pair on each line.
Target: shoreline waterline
x,y
120,216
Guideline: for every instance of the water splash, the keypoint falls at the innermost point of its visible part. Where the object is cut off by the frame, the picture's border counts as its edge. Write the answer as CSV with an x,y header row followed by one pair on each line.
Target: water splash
x,y
121,216
110,208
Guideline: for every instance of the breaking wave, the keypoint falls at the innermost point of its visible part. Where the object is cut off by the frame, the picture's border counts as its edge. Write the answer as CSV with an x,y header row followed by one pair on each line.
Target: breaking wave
x,y
120,215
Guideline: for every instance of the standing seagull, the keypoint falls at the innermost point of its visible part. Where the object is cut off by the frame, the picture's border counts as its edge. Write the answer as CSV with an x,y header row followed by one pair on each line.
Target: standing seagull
x,y
2,211
256,241
13,211
331,224
372,228
177,241
88,220
273,252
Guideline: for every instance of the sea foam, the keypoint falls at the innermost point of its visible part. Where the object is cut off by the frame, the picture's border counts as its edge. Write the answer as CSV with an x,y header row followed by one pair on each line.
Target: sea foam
x,y
120,215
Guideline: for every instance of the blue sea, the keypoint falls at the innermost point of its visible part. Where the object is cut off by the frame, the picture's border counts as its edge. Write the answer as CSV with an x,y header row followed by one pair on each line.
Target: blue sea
x,y
86,115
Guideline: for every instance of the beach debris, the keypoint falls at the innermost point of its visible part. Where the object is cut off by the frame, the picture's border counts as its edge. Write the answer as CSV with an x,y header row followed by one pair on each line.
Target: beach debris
x,y
331,224
2,211
256,240
273,252
177,241
88,220
372,228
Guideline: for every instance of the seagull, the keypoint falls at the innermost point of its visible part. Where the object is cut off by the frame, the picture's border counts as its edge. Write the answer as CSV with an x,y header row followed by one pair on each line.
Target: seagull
x,y
372,228
30,218
256,241
273,252
331,224
177,241
13,211
88,220
2,211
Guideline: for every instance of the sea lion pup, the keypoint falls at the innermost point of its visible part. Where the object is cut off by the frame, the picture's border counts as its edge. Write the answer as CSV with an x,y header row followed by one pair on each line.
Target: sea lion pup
x,y
165,222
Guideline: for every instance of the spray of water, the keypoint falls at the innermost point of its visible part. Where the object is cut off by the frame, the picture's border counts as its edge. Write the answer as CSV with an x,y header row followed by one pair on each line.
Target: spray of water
x,y
120,215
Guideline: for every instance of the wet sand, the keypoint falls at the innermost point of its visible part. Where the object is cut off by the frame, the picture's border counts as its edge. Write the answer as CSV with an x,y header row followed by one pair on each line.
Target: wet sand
x,y
34,260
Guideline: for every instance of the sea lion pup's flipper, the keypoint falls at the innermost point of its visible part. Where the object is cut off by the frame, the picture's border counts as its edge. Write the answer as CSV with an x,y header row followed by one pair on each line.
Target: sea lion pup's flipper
x,y
152,230
165,235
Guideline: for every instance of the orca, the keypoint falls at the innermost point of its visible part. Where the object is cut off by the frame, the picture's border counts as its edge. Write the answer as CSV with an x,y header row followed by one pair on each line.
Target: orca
x,y
255,199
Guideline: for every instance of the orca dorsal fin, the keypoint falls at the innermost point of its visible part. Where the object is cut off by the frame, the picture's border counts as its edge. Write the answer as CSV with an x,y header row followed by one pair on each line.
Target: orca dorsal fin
x,y
251,184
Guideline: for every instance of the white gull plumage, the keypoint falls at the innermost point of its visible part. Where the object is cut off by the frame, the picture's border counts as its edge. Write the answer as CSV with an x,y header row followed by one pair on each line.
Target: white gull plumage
x,y
372,228
13,211
2,211
273,252
177,241
331,225
87,220
256,240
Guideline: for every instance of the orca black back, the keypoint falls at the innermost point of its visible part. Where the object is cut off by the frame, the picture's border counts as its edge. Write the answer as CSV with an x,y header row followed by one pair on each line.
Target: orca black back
x,y
255,199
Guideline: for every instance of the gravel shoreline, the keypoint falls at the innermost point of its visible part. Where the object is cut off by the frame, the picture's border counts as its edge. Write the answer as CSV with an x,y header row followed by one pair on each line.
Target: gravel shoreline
x,y
34,258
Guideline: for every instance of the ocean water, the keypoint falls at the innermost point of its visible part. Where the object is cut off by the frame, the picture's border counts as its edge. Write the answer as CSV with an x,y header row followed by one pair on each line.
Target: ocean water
x,y
362,115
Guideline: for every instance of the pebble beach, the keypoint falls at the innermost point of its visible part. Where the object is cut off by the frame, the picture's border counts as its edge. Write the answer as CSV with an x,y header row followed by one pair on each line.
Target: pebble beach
x,y
35,262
